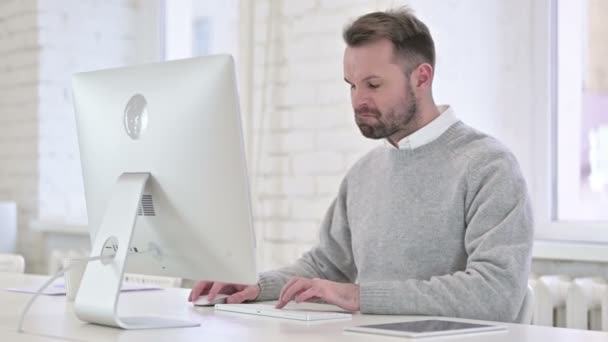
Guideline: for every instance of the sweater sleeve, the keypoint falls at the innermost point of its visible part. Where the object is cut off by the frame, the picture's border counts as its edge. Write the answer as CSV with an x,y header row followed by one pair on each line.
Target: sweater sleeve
x,y
331,258
498,241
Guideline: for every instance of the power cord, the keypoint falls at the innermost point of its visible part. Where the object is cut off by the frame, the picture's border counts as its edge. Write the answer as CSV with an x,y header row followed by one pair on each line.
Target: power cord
x,y
49,282
152,249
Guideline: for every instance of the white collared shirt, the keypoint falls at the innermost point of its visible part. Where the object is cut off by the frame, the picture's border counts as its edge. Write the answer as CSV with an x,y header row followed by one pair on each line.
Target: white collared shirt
x,y
429,132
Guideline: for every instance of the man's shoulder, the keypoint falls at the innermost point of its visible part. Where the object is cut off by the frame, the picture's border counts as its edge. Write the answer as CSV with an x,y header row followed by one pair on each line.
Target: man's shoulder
x,y
486,157
479,147
368,160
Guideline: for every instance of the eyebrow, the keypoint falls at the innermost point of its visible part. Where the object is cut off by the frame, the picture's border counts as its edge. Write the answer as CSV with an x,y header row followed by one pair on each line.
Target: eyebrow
x,y
363,80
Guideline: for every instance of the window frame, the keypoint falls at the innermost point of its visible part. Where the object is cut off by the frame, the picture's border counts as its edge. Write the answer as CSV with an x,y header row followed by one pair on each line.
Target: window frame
x,y
565,240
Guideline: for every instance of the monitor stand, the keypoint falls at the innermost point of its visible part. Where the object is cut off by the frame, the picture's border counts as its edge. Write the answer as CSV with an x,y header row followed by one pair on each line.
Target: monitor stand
x,y
97,298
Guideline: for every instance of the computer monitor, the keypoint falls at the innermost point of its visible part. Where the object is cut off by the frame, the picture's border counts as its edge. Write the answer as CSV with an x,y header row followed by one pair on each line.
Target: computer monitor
x,y
165,180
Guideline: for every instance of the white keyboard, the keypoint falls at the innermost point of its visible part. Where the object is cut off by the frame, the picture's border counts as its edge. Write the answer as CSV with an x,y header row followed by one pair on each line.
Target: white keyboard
x,y
271,311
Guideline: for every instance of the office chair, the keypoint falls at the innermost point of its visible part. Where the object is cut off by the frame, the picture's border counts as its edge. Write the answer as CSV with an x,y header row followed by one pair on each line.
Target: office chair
x,y
12,263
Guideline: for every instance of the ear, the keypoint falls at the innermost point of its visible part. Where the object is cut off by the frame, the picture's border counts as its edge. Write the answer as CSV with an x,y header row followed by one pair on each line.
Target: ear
x,y
422,76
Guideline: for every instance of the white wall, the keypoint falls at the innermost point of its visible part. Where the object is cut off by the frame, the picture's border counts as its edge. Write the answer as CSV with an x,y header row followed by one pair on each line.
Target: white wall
x,y
71,40
304,136
42,43
19,111
484,67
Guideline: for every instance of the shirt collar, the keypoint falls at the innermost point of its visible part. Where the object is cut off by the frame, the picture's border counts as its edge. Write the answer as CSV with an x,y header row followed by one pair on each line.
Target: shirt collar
x,y
429,132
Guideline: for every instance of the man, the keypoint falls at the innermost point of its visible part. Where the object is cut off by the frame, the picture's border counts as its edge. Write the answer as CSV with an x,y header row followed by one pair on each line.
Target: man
x,y
436,222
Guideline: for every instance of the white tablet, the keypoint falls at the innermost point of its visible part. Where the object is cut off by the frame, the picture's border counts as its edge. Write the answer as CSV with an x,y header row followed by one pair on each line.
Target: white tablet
x,y
426,328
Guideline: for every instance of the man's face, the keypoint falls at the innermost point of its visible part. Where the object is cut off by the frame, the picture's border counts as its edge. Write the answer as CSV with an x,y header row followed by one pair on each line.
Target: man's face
x,y
381,94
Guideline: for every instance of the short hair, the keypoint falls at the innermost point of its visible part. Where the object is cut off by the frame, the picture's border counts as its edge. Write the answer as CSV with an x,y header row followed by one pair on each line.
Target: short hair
x,y
410,37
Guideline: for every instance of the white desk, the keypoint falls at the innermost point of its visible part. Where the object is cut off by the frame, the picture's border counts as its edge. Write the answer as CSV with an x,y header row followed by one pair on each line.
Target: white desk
x,y
52,318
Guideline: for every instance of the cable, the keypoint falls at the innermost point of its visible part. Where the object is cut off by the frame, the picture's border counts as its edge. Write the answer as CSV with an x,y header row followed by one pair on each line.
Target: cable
x,y
49,282
152,249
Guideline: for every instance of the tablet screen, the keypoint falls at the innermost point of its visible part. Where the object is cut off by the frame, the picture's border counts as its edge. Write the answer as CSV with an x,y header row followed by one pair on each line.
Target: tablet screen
x,y
425,326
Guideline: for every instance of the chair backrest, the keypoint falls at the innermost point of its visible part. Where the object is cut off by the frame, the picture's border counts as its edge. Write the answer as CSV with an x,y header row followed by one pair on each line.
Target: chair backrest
x,y
8,227
527,308
13,263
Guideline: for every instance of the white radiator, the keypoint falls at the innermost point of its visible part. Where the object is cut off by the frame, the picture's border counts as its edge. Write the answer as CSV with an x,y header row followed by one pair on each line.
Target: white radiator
x,y
579,303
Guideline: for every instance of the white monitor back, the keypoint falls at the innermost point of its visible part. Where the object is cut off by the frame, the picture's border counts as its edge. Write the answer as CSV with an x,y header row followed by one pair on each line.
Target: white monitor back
x,y
196,217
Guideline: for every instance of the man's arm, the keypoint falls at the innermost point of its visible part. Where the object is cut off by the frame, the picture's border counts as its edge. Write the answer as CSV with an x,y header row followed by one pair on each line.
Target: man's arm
x,y
498,241
331,259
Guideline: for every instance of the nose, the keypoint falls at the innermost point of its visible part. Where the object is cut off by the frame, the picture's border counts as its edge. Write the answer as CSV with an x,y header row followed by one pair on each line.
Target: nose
x,y
359,98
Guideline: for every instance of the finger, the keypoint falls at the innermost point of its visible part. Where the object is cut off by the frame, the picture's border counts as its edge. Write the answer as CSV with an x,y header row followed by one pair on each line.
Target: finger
x,y
332,293
215,289
236,298
248,293
293,290
197,290
228,289
296,292
287,286
311,293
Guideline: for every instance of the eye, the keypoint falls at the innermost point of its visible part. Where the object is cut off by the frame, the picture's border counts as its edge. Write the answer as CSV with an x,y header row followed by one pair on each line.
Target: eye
x,y
374,85
352,87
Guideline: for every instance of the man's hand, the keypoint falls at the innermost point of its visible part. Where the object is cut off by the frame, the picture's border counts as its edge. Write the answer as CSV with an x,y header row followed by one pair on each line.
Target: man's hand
x,y
301,290
238,293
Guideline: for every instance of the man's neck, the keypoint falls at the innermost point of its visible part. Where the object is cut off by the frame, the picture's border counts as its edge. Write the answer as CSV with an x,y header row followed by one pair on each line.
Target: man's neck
x,y
421,119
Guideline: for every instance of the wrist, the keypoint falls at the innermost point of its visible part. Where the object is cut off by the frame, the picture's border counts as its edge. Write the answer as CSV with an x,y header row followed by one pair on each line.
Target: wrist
x,y
357,297
258,291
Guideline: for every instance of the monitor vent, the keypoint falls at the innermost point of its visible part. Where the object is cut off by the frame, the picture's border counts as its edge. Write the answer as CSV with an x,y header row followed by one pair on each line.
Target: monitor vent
x,y
146,206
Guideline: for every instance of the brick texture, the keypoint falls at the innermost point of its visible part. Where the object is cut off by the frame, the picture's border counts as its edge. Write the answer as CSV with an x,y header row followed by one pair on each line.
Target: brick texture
x,y
41,44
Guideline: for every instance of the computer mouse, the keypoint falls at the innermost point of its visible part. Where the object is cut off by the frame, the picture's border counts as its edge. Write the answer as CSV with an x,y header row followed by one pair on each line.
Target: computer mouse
x,y
204,301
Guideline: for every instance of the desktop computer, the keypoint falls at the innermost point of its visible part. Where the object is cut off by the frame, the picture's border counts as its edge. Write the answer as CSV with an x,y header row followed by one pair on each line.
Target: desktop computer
x,y
165,180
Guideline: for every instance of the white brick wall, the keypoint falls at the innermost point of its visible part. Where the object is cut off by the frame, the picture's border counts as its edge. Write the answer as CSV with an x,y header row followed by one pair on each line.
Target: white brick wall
x,y
302,149
41,44
308,139
70,43
304,137
18,114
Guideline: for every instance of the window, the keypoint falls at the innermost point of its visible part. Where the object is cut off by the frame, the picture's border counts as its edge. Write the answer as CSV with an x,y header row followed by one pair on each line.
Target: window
x,y
197,28
193,28
570,183
581,111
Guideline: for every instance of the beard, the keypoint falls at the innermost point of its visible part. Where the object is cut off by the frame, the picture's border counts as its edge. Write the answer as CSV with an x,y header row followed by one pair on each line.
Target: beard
x,y
375,124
